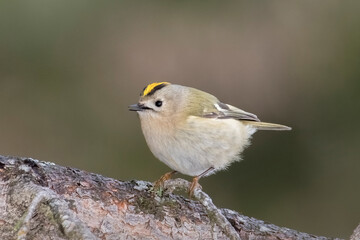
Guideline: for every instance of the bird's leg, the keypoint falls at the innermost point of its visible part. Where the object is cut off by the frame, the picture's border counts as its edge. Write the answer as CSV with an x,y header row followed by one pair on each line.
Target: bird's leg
x,y
160,183
195,182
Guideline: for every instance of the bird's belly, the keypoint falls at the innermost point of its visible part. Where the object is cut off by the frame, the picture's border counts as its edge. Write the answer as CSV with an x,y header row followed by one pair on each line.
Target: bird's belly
x,y
202,144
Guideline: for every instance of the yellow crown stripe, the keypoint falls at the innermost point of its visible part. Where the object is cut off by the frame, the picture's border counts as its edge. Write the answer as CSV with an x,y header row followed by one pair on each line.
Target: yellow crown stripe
x,y
151,86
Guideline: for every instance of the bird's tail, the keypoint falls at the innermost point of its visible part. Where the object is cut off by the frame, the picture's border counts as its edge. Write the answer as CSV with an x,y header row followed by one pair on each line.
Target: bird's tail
x,y
267,126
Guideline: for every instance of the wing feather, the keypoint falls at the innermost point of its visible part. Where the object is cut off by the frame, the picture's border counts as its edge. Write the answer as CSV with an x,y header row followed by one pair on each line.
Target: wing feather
x,y
226,111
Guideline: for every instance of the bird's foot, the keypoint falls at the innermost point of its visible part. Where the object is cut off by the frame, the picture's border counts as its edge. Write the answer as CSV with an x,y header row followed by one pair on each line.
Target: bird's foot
x,y
159,184
194,184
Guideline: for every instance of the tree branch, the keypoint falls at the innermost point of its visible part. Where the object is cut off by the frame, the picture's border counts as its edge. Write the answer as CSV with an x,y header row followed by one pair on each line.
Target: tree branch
x,y
40,200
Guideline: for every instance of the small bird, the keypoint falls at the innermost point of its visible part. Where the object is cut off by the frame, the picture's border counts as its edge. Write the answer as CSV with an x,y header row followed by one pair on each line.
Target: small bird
x,y
192,132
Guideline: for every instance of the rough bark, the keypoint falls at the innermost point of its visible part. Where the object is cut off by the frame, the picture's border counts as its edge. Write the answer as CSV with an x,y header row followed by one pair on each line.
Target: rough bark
x,y
356,234
41,200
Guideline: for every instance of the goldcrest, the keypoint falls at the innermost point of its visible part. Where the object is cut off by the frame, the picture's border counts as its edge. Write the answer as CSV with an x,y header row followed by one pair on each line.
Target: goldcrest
x,y
192,132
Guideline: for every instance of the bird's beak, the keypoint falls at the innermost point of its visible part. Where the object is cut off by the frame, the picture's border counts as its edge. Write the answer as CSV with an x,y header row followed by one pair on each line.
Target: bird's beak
x,y
137,107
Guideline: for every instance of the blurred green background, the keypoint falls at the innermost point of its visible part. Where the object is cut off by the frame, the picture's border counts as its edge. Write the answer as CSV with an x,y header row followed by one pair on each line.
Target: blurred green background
x,y
69,69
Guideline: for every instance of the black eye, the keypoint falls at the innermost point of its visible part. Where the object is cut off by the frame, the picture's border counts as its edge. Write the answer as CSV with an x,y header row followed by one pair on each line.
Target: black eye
x,y
158,103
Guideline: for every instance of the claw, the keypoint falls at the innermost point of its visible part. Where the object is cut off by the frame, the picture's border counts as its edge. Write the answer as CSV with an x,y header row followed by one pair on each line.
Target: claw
x,y
194,184
159,184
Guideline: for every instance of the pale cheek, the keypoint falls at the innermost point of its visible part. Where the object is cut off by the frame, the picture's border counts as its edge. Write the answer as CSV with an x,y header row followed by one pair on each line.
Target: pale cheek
x,y
146,115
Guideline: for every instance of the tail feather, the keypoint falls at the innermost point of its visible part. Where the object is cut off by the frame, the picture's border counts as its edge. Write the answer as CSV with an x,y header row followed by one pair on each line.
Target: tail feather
x,y
267,126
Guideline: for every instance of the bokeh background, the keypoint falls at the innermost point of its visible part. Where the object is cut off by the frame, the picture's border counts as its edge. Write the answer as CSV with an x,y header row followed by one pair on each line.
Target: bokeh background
x,y
69,69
